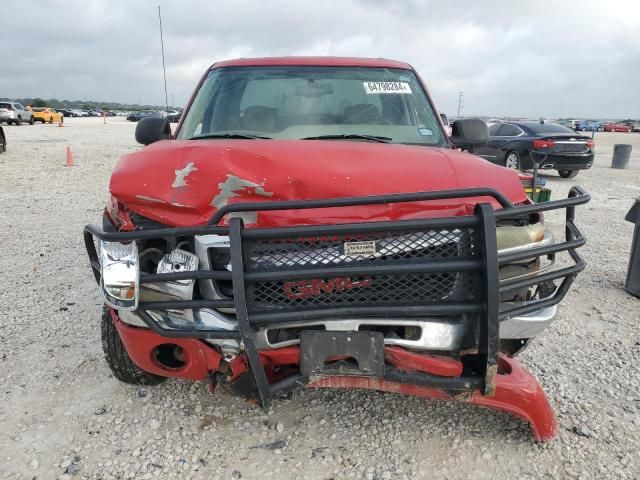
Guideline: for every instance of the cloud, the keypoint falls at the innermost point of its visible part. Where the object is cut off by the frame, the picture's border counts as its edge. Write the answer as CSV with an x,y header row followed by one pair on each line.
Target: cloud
x,y
543,58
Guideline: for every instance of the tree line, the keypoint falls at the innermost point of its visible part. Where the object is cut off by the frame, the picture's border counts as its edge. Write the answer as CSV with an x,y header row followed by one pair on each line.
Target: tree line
x,y
82,104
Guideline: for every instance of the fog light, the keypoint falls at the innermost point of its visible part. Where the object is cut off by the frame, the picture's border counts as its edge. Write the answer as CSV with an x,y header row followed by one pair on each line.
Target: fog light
x,y
120,274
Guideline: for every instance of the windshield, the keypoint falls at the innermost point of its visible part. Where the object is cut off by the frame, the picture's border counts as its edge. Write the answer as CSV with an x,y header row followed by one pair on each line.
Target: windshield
x,y
549,128
297,102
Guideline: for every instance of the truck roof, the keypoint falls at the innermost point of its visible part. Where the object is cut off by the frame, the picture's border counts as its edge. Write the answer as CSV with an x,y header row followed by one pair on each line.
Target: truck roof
x,y
313,61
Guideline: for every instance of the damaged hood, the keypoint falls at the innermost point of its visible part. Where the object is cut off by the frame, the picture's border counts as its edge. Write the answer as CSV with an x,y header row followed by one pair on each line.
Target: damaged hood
x,y
182,183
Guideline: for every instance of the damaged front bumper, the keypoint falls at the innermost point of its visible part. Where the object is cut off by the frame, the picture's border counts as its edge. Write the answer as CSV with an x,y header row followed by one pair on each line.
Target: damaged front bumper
x,y
446,294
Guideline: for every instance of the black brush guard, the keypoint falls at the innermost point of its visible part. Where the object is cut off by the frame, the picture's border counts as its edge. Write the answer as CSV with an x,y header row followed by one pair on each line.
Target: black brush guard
x,y
480,264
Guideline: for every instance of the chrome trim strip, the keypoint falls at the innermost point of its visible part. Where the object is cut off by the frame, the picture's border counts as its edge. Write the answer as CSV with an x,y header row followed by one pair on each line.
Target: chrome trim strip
x,y
435,335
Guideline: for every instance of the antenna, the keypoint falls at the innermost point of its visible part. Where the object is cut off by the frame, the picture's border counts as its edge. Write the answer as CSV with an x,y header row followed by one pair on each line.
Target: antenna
x,y
460,103
164,69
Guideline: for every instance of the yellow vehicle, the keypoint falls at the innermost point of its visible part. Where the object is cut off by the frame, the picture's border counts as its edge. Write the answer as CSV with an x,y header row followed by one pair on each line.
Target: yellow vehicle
x,y
47,115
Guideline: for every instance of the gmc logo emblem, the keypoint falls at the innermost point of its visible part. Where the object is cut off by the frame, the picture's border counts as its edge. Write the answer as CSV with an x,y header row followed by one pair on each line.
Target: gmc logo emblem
x,y
316,287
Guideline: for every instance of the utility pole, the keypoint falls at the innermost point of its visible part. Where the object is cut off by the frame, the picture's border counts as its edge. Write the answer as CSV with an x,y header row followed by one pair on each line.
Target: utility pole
x,y
460,103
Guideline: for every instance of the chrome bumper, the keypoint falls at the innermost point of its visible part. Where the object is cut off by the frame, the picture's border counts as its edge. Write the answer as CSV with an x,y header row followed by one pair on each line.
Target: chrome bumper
x,y
434,335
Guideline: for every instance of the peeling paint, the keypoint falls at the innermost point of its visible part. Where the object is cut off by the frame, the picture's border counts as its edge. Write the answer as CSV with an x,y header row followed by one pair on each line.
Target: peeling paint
x,y
182,174
231,187
149,199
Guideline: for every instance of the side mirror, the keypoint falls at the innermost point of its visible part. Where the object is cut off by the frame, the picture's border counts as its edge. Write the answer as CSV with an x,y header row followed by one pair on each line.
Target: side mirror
x,y
469,132
149,130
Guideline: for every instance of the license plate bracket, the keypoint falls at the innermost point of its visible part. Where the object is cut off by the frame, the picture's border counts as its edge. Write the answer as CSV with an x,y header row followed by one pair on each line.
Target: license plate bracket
x,y
341,353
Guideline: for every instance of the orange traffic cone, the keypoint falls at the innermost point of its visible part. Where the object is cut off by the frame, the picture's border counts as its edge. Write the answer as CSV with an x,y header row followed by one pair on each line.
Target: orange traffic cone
x,y
70,162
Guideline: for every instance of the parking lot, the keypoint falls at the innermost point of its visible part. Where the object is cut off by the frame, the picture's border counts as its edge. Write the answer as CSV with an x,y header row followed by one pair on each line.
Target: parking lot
x,y
63,415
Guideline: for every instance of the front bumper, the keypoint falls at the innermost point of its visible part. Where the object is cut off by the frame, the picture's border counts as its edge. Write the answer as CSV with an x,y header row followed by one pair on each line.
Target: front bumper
x,y
516,391
472,295
567,161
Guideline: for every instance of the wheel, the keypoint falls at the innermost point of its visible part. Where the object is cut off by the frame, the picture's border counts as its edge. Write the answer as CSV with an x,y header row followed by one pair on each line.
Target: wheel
x,y
512,161
31,120
50,119
568,173
61,119
118,359
19,120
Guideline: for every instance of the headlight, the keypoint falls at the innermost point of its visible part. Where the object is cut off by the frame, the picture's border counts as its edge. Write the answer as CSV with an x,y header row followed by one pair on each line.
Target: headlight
x,y
120,274
176,261
512,236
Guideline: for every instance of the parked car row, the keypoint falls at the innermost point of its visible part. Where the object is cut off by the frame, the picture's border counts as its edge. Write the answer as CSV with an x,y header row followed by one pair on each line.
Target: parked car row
x,y
172,115
602,126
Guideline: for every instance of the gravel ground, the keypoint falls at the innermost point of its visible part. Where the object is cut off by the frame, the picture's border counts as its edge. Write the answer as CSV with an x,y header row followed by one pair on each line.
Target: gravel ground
x,y
63,415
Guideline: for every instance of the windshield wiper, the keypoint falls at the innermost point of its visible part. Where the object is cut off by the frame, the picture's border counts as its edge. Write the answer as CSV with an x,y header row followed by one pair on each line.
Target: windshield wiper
x,y
228,135
351,136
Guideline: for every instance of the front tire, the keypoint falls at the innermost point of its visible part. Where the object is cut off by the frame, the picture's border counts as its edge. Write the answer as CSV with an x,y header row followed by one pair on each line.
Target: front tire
x,y
568,173
31,120
19,121
50,119
512,161
118,359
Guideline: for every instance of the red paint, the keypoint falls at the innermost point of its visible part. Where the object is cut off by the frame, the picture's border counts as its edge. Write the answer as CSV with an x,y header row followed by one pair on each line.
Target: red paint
x,y
517,393
417,362
199,358
316,287
294,170
313,61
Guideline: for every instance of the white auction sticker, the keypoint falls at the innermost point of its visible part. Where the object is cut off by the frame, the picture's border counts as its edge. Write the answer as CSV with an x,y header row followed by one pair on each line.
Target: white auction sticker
x,y
386,87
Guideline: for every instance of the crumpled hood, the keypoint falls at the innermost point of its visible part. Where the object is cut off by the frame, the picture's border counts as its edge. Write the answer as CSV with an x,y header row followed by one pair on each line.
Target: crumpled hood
x,y
182,183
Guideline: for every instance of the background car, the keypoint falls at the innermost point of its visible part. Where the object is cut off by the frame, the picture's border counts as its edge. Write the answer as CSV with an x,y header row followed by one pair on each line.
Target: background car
x,y
66,112
136,116
14,112
617,127
516,144
445,122
588,126
47,115
173,116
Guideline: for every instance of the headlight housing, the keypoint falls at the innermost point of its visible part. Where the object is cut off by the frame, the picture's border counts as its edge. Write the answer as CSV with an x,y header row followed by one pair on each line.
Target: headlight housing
x,y
517,236
120,274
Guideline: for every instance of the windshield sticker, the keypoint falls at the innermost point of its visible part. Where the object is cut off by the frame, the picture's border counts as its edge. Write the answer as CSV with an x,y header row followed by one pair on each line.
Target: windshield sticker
x,y
386,87
425,132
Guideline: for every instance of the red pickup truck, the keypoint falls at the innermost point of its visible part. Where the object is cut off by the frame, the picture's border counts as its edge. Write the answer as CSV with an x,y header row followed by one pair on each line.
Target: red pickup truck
x,y
310,223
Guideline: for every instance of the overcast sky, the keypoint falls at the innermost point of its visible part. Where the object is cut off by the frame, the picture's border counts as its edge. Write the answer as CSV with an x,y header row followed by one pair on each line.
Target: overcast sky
x,y
522,58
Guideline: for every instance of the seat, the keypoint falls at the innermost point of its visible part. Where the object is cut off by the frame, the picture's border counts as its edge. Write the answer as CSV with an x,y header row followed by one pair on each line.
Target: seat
x,y
260,118
362,113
